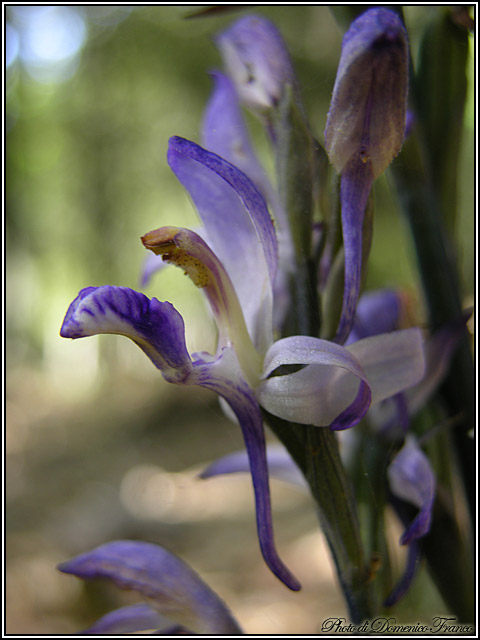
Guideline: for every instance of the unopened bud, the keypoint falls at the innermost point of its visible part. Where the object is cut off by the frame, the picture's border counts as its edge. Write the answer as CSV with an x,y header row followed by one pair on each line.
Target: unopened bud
x,y
368,108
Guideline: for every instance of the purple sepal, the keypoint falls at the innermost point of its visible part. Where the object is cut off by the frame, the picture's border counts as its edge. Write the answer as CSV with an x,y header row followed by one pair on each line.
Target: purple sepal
x,y
238,224
280,466
355,411
356,182
226,134
412,479
135,617
156,327
413,561
170,586
224,131
243,403
228,226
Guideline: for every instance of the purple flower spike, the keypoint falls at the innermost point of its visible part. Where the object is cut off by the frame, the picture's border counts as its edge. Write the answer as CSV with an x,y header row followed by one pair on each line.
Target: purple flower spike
x,y
411,478
170,587
365,128
257,60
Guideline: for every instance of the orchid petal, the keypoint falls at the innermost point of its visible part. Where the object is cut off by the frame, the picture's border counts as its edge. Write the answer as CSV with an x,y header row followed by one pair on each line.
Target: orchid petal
x,y
135,617
332,390
156,327
224,376
411,478
238,224
439,350
169,585
280,466
392,362
257,60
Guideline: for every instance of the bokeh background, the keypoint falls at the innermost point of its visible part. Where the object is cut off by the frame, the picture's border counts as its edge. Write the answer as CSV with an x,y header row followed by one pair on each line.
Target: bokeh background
x,y
98,446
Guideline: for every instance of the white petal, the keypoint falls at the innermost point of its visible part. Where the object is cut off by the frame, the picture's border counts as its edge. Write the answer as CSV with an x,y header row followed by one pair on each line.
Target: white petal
x,y
318,393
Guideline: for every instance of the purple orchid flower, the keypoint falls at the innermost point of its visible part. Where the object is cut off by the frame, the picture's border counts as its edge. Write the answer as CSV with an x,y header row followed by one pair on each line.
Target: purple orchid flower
x,y
178,600
365,128
236,271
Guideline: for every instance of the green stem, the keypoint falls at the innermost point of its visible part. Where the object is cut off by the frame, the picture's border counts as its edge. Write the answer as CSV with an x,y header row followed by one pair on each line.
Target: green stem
x,y
315,451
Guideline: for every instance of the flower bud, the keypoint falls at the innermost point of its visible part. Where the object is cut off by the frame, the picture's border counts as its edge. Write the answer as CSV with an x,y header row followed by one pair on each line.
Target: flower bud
x,y
368,108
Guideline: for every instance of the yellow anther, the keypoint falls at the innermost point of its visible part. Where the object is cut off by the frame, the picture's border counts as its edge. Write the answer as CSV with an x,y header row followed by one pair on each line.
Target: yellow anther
x,y
192,267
